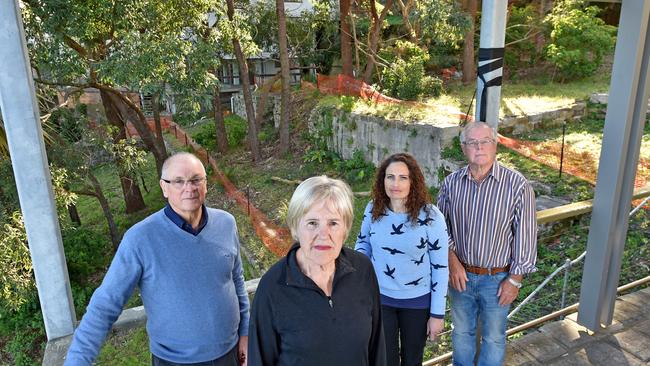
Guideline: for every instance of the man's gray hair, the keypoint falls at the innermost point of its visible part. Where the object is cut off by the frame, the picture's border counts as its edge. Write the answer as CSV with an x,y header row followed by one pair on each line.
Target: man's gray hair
x,y
170,159
477,124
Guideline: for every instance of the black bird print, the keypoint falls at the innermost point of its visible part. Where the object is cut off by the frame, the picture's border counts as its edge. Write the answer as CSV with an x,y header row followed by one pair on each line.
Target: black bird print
x,y
370,233
397,230
414,283
434,246
418,262
361,237
437,266
423,243
425,222
383,214
433,286
392,251
389,272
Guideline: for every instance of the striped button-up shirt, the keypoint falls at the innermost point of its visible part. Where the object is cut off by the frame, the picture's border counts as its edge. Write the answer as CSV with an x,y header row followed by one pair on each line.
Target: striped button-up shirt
x,y
492,223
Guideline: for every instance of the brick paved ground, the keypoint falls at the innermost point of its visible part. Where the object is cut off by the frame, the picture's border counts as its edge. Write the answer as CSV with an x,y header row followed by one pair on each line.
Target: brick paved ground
x,y
626,342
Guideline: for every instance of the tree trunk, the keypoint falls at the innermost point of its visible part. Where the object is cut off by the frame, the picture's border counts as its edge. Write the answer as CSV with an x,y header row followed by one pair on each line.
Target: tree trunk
x,y
346,38
263,97
373,37
469,60
219,123
132,196
544,6
155,101
248,98
74,215
103,202
132,113
405,10
285,70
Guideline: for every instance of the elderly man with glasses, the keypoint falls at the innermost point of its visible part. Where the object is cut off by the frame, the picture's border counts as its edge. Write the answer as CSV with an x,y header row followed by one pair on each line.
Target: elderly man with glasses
x,y
490,214
185,260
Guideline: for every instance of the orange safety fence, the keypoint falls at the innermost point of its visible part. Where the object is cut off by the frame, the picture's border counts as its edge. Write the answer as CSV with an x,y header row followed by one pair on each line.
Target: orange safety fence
x,y
277,239
581,164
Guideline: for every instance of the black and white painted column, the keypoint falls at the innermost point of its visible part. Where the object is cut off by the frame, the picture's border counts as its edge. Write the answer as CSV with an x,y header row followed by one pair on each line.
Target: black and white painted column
x,y
490,61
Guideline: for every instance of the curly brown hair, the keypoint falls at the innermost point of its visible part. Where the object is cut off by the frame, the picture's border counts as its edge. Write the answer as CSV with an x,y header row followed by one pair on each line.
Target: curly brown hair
x,y
418,196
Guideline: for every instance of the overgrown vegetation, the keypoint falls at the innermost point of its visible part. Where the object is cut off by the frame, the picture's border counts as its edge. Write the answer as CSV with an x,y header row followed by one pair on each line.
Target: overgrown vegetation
x,y
579,39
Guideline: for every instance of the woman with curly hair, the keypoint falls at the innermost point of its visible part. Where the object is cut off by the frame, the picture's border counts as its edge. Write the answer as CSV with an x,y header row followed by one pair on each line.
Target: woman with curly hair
x,y
405,236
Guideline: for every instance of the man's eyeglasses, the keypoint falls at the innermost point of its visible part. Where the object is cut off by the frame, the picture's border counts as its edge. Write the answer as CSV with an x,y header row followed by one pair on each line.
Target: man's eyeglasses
x,y
180,183
474,144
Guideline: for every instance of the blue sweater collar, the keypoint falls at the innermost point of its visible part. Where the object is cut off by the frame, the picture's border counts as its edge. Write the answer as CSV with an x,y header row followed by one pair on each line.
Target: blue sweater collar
x,y
184,225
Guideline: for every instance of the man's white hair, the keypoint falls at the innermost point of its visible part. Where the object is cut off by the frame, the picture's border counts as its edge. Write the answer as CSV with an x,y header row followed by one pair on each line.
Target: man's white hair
x,y
477,124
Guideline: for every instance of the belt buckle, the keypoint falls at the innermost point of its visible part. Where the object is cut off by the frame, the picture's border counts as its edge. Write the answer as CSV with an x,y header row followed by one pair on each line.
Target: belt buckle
x,y
489,270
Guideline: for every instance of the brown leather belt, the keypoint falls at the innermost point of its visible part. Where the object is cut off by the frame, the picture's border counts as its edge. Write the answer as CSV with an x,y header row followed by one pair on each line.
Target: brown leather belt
x,y
485,271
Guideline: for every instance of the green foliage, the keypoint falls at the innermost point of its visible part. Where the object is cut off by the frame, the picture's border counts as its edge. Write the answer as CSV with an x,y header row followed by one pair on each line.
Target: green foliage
x,y
405,78
355,169
579,39
86,252
15,264
524,23
236,129
453,152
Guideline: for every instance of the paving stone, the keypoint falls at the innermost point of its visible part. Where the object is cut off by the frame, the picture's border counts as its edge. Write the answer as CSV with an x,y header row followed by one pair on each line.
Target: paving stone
x,y
643,327
633,342
601,354
518,357
540,346
569,359
640,299
569,333
626,312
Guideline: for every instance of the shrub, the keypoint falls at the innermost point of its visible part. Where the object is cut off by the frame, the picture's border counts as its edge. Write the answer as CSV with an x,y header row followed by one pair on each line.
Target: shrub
x,y
405,77
85,252
579,39
236,130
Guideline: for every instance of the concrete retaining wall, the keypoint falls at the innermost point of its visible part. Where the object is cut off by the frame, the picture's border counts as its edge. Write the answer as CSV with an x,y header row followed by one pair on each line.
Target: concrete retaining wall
x,y
377,138
520,124
272,106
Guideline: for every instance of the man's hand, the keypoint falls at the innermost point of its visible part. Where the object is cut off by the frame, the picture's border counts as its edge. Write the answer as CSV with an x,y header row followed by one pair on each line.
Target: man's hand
x,y
434,327
457,274
507,291
242,350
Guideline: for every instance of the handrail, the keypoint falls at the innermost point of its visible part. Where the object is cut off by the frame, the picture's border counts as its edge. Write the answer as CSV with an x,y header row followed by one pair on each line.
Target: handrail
x,y
579,208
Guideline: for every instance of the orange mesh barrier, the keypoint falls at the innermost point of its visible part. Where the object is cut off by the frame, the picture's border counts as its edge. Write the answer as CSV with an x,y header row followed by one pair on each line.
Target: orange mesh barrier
x,y
276,239
581,164
346,85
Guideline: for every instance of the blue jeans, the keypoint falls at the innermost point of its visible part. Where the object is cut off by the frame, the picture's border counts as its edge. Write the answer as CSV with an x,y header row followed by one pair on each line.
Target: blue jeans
x,y
479,300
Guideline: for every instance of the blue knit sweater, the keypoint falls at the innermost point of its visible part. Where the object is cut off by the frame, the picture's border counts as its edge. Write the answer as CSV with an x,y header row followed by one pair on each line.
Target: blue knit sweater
x,y
410,260
192,288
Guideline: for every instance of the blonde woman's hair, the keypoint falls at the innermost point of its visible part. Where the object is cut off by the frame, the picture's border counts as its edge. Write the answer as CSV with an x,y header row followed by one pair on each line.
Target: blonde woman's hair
x,y
319,189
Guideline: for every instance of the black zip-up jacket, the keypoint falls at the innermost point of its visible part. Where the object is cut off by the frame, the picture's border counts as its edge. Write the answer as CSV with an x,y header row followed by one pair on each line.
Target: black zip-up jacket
x,y
294,323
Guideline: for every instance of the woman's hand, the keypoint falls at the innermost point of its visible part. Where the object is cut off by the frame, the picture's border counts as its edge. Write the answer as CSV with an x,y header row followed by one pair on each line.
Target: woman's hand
x,y
242,351
434,327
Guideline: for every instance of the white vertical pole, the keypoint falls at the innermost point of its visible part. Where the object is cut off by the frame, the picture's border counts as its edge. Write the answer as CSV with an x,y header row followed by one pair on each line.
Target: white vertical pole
x,y
25,138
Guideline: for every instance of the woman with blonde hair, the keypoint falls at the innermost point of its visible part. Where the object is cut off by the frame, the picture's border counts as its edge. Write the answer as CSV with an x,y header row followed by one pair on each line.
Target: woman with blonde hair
x,y
319,305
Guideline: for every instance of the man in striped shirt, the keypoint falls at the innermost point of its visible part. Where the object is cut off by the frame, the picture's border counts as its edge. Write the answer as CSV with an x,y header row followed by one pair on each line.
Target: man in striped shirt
x,y
490,214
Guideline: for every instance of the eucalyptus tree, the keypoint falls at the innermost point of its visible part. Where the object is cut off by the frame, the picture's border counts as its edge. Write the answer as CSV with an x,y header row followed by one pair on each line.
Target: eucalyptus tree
x,y
117,47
